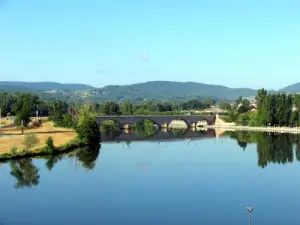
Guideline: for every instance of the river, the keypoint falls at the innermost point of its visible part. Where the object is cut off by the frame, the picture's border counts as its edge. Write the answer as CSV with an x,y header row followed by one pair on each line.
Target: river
x,y
199,180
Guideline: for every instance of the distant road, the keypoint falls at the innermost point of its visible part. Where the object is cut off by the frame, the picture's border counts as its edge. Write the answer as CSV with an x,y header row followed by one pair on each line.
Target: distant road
x,y
9,126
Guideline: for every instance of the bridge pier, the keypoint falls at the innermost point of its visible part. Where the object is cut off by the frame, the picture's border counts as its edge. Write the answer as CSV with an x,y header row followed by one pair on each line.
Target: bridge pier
x,y
193,125
165,125
126,126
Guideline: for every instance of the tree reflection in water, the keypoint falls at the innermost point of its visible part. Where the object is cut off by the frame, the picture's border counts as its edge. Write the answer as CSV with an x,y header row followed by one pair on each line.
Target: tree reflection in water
x,y
26,174
271,147
145,128
88,156
109,131
178,131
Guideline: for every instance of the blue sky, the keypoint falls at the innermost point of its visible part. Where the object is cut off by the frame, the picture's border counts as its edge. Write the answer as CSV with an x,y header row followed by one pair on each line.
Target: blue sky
x,y
99,42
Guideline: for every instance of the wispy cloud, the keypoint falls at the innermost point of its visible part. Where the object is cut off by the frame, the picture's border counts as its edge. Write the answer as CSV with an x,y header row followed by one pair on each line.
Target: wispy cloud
x,y
144,56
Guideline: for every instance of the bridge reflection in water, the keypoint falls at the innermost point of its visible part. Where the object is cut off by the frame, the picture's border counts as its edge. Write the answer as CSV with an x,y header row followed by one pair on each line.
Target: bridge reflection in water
x,y
160,135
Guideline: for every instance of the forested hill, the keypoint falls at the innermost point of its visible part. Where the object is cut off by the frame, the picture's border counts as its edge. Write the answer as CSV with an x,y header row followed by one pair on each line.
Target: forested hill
x,y
42,86
159,90
293,89
167,90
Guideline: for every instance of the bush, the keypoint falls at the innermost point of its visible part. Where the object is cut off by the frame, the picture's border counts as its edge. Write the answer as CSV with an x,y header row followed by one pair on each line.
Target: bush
x,y
49,145
30,140
13,151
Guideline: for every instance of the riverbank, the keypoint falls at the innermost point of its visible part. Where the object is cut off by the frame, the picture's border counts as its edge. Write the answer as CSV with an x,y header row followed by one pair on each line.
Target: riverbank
x,y
12,141
259,129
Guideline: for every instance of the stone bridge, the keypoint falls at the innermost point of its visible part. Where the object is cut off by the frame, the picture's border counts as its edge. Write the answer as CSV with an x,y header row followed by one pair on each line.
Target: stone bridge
x,y
161,121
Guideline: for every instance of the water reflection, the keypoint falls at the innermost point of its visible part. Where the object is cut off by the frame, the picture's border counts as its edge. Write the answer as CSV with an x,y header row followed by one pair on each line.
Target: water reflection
x,y
150,133
110,132
87,157
271,147
25,173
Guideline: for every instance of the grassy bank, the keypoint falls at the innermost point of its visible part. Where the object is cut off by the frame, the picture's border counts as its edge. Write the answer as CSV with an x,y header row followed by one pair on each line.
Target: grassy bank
x,y
45,151
14,144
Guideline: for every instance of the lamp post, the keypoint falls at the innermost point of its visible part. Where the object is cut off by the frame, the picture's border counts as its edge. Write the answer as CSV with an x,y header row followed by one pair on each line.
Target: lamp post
x,y
37,114
250,210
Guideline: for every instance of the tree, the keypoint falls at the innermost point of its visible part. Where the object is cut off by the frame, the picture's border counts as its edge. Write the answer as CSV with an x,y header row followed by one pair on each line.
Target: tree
x,y
57,111
225,105
239,100
110,108
246,103
126,108
260,97
30,140
23,115
243,109
49,145
88,131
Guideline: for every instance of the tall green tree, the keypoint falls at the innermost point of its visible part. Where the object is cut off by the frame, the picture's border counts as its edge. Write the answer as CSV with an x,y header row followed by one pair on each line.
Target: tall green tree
x,y
260,97
88,131
110,109
126,108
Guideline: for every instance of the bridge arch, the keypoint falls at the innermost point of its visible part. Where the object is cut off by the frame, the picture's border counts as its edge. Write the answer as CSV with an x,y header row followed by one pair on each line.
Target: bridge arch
x,y
201,123
151,120
179,123
110,122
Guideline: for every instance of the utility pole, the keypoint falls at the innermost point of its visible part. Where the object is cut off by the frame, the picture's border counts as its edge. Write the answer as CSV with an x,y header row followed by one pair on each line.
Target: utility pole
x,y
250,210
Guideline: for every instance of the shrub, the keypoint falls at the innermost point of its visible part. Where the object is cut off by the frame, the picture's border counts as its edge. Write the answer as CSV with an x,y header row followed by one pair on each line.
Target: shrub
x,y
30,140
13,151
49,145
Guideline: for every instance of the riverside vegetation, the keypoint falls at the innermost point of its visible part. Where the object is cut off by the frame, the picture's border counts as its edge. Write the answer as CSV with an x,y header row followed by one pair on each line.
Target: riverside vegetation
x,y
23,106
277,109
272,110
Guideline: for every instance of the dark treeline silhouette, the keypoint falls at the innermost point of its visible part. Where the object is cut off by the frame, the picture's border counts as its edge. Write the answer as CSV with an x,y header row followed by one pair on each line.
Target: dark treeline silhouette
x,y
271,147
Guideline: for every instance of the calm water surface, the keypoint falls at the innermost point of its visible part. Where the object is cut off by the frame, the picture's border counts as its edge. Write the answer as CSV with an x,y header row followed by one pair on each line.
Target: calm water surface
x,y
206,181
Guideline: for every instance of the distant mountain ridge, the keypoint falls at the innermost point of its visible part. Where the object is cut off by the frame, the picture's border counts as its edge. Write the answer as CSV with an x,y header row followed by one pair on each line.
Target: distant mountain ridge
x,y
168,90
158,90
293,88
45,86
